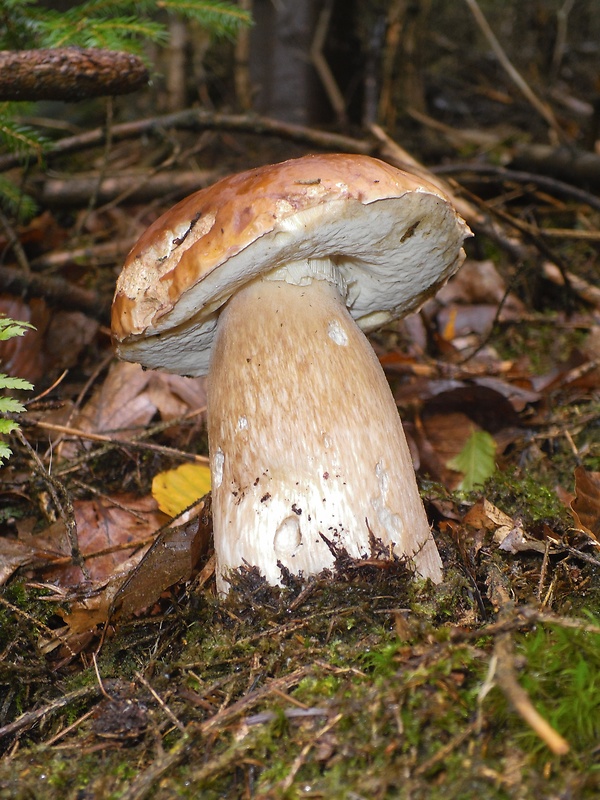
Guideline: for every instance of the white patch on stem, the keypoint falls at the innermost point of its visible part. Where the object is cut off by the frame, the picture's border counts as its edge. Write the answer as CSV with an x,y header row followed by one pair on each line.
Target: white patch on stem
x,y
217,465
336,333
288,538
391,522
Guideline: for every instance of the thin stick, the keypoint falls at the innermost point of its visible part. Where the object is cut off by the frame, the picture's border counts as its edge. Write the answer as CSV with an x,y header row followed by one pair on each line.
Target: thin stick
x,y
161,702
519,699
112,440
515,76
62,503
29,718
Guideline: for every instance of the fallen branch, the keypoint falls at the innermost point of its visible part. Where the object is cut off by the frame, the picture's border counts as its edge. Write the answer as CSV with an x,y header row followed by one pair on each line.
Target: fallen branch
x,y
197,119
57,292
134,187
565,163
104,253
549,184
69,73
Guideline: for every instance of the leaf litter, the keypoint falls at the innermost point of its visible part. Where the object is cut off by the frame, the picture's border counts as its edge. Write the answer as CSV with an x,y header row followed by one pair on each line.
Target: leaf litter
x,y
357,676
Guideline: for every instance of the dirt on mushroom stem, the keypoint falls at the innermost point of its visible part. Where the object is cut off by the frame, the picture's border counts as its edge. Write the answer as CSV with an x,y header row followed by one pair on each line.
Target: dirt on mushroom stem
x,y
305,438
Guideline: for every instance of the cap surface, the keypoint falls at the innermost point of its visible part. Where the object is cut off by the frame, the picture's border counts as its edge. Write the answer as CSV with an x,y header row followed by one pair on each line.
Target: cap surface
x,y
393,237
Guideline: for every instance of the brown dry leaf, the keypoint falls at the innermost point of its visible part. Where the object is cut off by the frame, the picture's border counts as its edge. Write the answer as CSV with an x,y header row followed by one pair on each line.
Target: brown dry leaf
x,y
101,525
585,508
139,583
508,533
87,609
478,282
171,559
129,398
15,554
488,516
445,435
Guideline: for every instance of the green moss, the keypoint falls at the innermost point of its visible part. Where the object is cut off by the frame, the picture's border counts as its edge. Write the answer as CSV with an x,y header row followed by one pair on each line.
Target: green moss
x,y
525,496
562,677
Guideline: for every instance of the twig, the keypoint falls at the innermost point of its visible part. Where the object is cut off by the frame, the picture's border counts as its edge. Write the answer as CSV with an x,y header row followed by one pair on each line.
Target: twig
x,y
161,702
519,699
99,679
198,119
562,18
92,201
35,622
519,252
515,76
114,441
286,783
444,751
134,442
322,67
62,502
550,184
15,243
543,570
29,718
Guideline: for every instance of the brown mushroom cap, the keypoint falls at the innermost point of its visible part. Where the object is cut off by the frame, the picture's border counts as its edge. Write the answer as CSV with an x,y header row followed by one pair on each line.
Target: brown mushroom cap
x,y
393,238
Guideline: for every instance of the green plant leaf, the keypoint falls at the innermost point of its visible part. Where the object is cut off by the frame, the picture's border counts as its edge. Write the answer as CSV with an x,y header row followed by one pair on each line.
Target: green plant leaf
x,y
476,461
8,405
5,452
9,328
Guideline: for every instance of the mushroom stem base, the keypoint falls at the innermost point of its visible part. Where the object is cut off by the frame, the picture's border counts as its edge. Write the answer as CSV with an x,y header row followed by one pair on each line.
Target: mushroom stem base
x,y
305,439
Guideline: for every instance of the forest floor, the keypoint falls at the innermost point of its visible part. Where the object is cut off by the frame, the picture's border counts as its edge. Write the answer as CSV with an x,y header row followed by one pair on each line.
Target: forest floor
x,y
126,676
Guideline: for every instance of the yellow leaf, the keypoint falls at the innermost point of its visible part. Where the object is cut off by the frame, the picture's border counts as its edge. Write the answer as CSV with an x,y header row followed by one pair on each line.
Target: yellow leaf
x,y
177,489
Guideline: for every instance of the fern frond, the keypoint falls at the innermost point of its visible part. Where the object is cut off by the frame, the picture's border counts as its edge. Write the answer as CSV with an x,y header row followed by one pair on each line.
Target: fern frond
x,y
218,17
9,328
8,405
5,452
16,136
15,202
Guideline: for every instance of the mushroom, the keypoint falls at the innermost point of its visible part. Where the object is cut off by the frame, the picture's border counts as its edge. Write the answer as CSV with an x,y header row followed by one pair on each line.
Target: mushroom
x,y
265,282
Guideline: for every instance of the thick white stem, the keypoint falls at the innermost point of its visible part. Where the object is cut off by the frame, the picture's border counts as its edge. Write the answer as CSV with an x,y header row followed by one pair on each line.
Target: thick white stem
x,y
305,438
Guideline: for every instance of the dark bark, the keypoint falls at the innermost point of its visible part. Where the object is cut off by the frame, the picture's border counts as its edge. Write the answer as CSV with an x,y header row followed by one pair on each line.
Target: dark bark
x,y
56,292
132,188
69,73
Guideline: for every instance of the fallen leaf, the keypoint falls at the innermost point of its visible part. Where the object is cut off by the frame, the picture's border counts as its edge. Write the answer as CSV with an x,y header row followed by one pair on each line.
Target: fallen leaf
x,y
117,525
486,515
476,461
585,508
15,554
177,489
130,397
171,559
